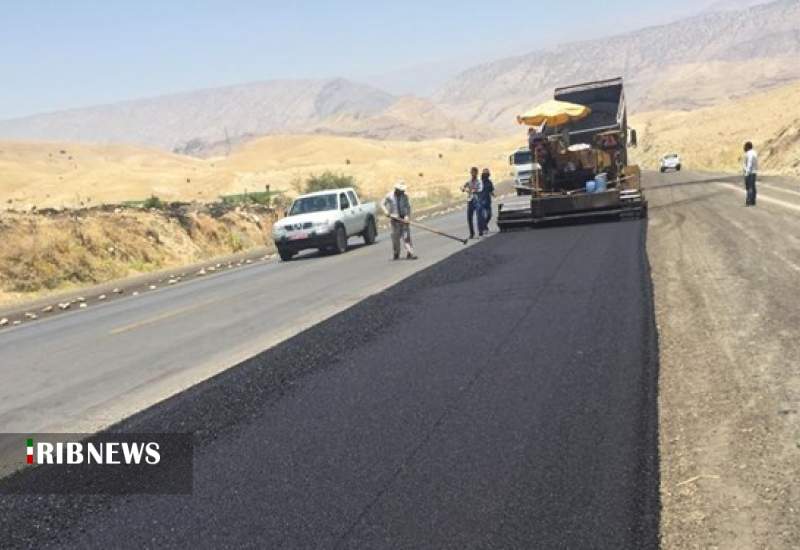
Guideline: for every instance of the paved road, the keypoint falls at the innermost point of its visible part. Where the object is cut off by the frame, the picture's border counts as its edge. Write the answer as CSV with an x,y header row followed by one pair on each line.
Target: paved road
x,y
503,398
84,370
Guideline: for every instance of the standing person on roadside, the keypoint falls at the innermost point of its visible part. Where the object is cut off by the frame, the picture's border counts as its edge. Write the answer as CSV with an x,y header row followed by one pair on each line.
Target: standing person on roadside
x,y
474,188
750,173
397,206
486,198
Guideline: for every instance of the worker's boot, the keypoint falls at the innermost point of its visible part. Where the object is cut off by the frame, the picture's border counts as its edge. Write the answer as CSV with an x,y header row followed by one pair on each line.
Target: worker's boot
x,y
411,256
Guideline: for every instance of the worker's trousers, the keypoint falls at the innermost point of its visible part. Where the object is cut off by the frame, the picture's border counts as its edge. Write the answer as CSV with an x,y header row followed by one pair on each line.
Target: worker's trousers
x,y
750,187
475,209
487,211
401,232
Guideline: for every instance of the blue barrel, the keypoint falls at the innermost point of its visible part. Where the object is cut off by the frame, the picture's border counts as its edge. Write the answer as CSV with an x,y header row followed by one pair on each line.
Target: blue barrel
x,y
602,182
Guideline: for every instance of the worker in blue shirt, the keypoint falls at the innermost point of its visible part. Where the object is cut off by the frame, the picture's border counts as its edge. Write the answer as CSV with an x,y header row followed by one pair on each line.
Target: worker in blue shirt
x,y
487,194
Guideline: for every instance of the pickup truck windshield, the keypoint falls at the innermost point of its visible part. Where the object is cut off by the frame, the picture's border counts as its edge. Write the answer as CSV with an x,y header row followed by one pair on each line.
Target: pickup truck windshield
x,y
522,157
318,203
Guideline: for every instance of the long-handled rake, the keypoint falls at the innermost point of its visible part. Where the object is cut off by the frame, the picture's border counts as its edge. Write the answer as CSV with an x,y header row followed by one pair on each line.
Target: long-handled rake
x,y
432,230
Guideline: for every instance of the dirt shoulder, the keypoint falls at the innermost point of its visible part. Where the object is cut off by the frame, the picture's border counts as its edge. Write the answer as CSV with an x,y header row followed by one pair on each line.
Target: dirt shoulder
x,y
728,312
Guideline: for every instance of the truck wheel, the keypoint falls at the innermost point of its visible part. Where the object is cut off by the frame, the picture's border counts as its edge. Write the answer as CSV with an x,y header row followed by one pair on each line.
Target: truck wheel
x,y
340,245
285,254
370,232
678,168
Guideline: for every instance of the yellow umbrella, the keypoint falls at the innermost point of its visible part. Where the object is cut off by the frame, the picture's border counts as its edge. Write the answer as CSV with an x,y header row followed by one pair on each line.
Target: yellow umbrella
x,y
554,113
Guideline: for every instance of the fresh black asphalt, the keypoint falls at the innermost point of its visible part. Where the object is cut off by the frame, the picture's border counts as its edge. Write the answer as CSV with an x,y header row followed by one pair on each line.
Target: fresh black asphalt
x,y
503,398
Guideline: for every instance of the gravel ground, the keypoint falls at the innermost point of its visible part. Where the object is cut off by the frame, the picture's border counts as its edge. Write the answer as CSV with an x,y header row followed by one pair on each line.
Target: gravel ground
x,y
728,312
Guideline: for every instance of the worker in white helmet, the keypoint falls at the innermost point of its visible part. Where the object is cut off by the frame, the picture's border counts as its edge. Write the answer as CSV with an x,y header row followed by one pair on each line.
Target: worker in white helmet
x,y
397,206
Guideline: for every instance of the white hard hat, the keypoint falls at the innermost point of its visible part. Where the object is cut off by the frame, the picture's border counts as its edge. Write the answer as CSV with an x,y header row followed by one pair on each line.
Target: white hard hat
x,y
400,186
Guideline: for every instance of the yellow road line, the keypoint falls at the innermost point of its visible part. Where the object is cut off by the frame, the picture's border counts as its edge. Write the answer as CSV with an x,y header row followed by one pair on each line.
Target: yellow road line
x,y
776,188
762,198
162,317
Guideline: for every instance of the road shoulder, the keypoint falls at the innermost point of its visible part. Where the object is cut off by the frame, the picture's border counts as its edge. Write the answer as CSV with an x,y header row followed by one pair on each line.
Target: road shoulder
x,y
727,309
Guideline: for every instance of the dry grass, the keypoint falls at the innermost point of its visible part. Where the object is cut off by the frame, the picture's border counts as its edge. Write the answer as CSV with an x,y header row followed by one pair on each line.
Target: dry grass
x,y
41,254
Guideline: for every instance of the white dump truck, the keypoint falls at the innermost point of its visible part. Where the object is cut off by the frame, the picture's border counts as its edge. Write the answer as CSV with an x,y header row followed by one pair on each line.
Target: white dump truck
x,y
521,162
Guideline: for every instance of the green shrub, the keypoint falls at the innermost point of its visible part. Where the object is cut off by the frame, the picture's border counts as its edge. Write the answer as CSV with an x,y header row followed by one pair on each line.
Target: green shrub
x,y
329,180
154,202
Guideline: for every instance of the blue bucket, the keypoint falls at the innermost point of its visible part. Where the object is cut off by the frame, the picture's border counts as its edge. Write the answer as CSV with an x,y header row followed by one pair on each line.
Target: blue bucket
x,y
602,182
591,186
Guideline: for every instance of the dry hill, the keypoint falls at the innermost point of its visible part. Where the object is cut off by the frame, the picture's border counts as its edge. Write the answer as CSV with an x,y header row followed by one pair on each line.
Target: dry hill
x,y
215,121
46,252
71,174
408,119
712,138
40,174
687,64
205,116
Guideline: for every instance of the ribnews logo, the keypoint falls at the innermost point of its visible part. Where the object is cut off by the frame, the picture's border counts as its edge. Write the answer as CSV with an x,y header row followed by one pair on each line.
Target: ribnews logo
x,y
102,463
77,452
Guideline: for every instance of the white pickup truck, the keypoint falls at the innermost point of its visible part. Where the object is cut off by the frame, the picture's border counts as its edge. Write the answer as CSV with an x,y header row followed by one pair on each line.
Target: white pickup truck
x,y
324,220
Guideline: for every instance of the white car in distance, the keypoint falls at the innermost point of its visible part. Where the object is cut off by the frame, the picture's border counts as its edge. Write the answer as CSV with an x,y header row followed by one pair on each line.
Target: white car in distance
x,y
324,220
671,161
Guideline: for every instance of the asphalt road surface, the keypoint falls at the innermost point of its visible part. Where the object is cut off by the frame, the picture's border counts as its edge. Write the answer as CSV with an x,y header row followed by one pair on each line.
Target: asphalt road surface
x,y
504,397
86,369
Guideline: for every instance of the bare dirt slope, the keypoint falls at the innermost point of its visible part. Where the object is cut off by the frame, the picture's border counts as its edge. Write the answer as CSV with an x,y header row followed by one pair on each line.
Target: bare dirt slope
x,y
727,308
712,138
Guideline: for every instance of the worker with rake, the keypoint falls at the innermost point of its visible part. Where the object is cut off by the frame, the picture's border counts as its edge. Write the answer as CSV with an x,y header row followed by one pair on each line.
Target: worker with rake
x,y
397,206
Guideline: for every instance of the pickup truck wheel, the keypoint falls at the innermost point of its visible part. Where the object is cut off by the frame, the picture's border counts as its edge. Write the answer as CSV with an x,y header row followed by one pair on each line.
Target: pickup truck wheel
x,y
285,254
340,245
370,232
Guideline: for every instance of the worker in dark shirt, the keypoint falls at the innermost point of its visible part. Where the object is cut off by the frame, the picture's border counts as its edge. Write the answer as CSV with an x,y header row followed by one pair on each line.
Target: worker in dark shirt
x,y
487,194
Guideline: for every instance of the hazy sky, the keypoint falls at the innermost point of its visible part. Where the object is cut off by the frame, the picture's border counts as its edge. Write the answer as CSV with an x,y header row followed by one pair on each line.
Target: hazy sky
x,y
69,53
